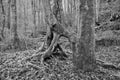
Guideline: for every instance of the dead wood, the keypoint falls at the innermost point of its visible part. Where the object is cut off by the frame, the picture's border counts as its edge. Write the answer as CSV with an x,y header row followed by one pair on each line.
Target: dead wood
x,y
107,65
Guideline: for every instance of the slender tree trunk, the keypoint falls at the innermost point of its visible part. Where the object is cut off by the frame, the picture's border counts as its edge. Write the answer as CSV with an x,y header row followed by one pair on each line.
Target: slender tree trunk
x,y
3,13
97,9
83,50
16,42
97,6
25,16
39,17
34,17
9,14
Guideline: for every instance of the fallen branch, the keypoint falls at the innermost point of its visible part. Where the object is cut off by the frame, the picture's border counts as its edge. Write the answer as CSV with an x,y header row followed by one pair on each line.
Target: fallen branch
x,y
33,65
107,65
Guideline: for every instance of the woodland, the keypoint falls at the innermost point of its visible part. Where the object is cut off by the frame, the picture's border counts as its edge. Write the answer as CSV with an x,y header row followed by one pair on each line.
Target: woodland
x,y
59,40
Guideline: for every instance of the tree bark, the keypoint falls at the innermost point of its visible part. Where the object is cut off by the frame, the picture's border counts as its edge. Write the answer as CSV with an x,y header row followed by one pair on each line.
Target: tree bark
x,y
9,14
97,6
83,50
16,41
25,17
3,13
34,17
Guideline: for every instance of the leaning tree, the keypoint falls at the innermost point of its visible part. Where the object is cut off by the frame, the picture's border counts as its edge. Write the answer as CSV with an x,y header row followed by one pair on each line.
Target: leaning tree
x,y
54,30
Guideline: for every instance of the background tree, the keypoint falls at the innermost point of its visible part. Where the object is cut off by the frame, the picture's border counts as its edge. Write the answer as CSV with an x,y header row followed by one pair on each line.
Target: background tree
x,y
3,17
9,14
16,41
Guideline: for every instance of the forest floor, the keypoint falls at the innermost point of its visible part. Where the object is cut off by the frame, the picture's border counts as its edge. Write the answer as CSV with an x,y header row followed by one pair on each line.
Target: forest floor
x,y
14,66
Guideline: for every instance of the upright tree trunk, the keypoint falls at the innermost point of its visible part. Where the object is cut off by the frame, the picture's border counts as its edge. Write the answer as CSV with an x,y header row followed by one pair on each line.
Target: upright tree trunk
x,y
34,16
83,50
97,6
3,23
39,17
14,13
97,9
25,16
9,14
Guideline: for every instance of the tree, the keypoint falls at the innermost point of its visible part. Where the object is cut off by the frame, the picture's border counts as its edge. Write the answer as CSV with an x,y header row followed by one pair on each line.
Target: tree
x,y
16,41
9,14
3,14
25,16
33,3
84,49
97,3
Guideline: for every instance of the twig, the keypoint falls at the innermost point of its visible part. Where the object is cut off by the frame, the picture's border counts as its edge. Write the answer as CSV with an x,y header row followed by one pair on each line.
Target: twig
x,y
33,65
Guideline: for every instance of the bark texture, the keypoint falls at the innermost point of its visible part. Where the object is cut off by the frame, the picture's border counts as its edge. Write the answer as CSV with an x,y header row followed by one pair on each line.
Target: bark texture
x,y
84,54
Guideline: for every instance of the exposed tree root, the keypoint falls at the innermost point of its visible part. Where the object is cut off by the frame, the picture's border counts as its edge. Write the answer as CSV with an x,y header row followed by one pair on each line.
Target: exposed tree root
x,y
53,47
48,52
53,50
41,48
